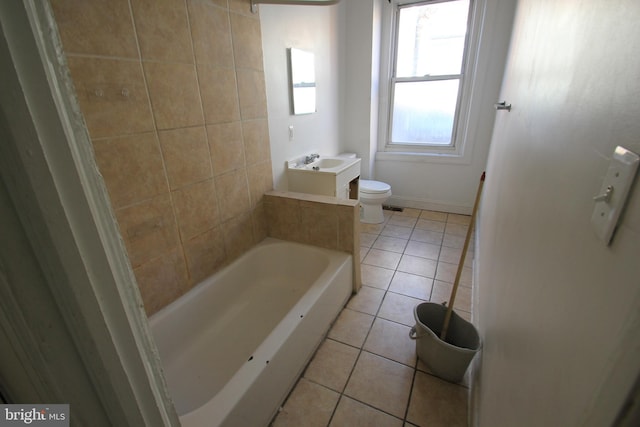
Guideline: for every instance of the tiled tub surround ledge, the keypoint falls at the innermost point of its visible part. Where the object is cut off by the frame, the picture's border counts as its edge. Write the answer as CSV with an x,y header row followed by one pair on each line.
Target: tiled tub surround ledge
x,y
235,344
322,221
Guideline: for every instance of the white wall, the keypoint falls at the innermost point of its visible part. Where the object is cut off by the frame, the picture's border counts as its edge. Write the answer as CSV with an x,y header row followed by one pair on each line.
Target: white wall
x,y
315,29
559,311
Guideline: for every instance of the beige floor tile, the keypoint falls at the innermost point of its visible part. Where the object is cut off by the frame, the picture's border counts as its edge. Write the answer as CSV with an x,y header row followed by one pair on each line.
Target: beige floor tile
x,y
363,252
434,215
351,327
382,258
411,285
376,277
396,231
442,292
367,239
421,366
427,224
437,403
452,256
446,272
459,219
402,221
412,212
391,340
367,300
398,308
332,364
417,265
456,229
371,228
427,236
381,383
392,244
453,241
422,249
309,404
351,413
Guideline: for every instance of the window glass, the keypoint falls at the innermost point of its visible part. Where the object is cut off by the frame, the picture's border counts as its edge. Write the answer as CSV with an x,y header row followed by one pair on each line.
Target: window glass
x,y
429,64
424,111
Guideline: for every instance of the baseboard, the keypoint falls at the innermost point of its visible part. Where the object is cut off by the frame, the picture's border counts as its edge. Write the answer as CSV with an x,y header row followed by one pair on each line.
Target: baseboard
x,y
431,205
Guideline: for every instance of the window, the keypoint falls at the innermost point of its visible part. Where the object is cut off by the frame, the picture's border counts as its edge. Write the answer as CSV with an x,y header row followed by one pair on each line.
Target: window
x,y
428,71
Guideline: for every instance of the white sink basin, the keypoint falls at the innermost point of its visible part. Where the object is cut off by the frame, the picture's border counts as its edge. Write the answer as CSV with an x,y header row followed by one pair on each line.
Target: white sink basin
x,y
328,176
327,163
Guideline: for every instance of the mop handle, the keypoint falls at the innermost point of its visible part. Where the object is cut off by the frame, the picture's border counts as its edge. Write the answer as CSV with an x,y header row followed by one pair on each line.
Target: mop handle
x,y
447,317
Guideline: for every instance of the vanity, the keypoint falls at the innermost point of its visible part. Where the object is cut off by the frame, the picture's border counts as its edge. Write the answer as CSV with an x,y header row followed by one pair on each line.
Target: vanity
x,y
327,176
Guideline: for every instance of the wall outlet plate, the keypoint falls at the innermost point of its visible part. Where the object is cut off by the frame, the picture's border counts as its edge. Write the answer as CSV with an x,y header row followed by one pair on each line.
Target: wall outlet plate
x,y
614,192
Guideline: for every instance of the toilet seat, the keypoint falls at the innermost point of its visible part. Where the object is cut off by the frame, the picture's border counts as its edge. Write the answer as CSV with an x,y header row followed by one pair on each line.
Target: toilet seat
x,y
373,187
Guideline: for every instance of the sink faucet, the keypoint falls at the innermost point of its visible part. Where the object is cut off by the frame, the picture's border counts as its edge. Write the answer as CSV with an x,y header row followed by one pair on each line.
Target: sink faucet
x,y
311,158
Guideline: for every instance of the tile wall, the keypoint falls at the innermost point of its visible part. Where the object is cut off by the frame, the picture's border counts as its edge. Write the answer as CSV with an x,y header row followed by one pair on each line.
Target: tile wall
x,y
317,220
173,95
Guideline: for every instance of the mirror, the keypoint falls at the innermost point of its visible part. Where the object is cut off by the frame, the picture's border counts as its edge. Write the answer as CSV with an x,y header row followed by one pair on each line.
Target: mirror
x,y
303,81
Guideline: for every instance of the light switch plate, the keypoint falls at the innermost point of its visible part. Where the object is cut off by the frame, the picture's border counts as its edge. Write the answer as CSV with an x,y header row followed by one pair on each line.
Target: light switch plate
x,y
617,182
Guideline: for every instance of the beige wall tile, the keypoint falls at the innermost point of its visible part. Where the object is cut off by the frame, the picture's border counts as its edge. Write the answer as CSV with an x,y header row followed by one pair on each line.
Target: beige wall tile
x,y
245,31
112,96
149,229
233,194
259,220
283,218
205,254
163,30
319,222
225,144
162,280
252,94
173,89
186,155
219,94
260,181
211,33
256,141
238,236
132,168
347,220
137,114
196,208
240,6
96,28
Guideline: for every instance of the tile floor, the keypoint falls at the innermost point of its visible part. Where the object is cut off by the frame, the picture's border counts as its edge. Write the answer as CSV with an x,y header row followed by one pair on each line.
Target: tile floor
x,y
365,373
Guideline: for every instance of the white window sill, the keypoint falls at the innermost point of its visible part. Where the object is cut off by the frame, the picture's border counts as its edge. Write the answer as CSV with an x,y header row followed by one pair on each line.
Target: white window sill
x,y
422,157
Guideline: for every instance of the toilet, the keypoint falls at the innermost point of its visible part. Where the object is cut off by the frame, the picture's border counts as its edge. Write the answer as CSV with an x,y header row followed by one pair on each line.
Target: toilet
x,y
371,194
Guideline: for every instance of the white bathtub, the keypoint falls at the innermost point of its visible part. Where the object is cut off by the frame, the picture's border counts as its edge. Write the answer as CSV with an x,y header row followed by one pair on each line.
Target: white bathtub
x,y
234,345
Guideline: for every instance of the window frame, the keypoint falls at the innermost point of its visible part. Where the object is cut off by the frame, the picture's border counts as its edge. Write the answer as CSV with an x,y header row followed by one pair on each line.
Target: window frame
x,y
388,80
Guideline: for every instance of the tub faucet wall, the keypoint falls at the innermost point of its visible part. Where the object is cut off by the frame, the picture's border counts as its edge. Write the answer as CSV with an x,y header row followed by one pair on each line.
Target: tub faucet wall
x,y
174,101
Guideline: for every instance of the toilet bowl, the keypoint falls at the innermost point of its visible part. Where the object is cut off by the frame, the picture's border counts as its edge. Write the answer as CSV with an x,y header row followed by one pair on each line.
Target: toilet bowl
x,y
372,195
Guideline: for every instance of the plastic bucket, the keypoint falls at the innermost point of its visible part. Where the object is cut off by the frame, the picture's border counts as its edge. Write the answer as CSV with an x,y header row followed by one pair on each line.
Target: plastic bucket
x,y
448,360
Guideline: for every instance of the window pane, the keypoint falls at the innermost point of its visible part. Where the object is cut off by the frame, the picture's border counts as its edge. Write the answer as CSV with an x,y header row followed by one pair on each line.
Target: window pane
x,y
431,39
423,112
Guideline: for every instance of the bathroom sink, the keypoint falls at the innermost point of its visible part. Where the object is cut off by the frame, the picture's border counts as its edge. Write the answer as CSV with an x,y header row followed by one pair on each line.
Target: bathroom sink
x,y
328,176
327,163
